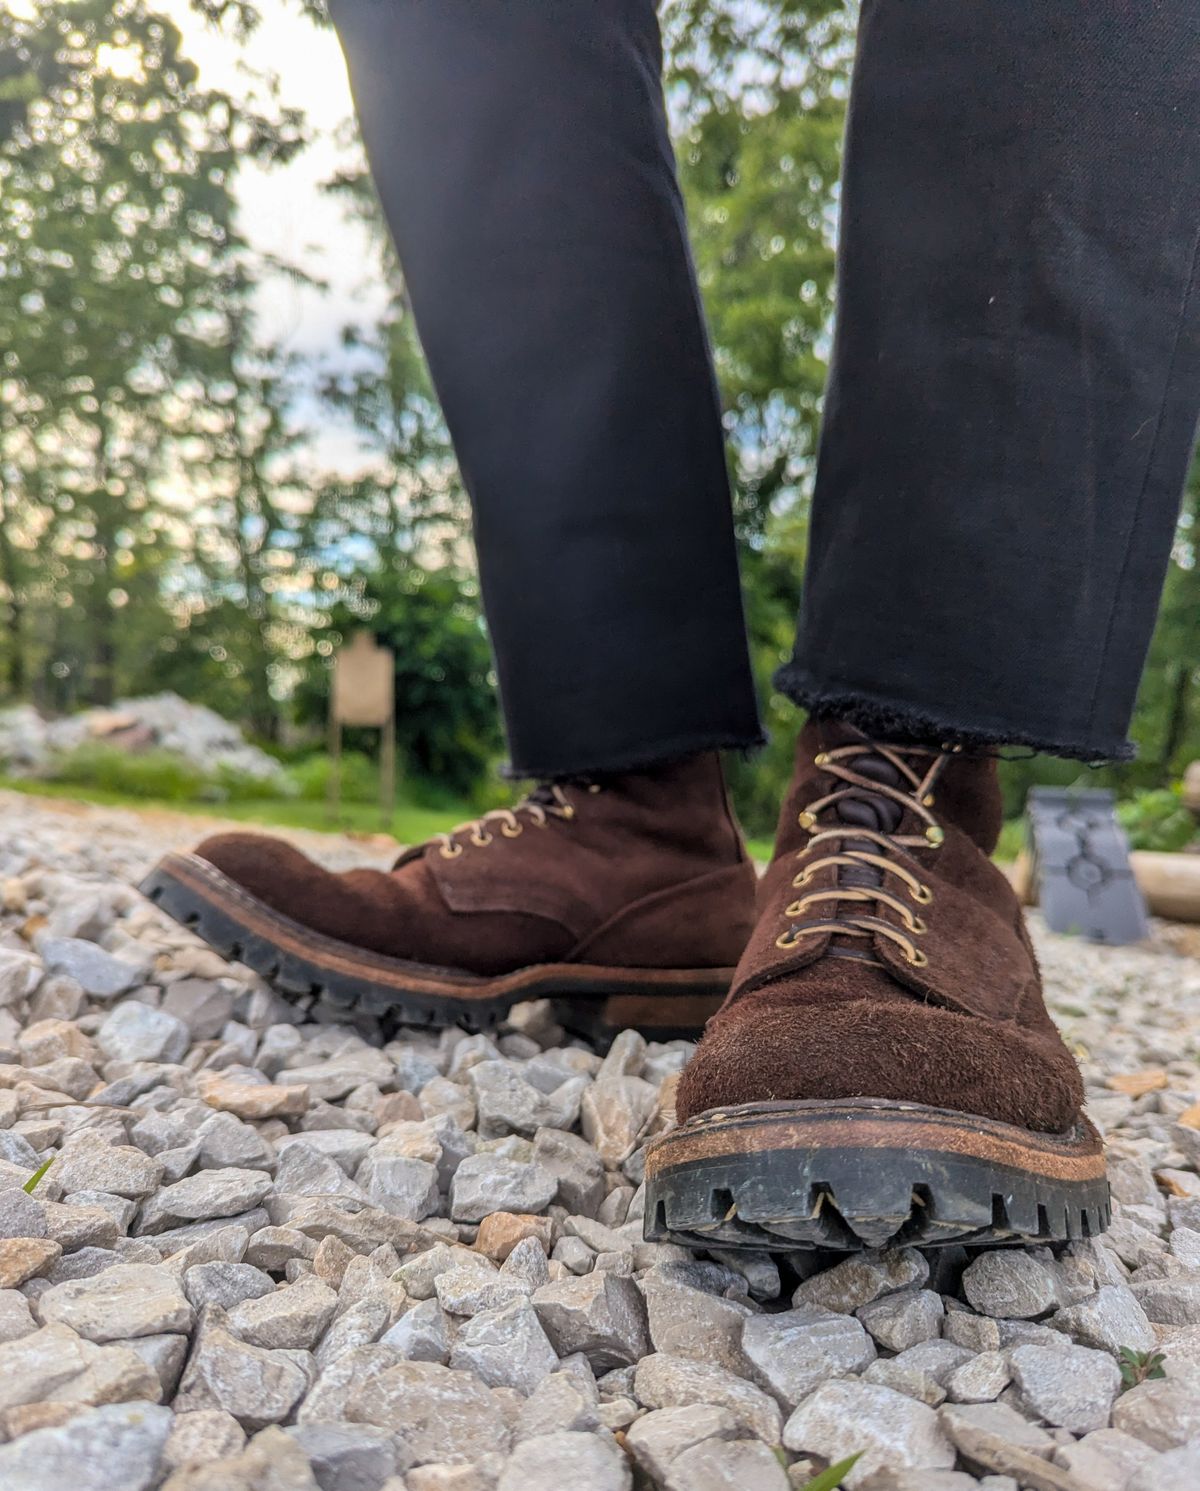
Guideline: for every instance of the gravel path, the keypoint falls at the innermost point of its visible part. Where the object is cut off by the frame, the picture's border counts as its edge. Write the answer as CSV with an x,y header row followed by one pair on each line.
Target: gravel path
x,y
272,1256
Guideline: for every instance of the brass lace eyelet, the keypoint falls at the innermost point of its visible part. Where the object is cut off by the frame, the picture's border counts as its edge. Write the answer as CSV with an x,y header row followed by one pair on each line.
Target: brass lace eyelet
x,y
450,851
510,832
807,820
923,896
917,958
918,926
935,836
481,841
786,942
795,909
567,812
801,880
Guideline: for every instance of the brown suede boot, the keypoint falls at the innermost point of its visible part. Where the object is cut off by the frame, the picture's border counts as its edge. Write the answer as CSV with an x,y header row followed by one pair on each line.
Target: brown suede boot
x,y
884,1069
633,895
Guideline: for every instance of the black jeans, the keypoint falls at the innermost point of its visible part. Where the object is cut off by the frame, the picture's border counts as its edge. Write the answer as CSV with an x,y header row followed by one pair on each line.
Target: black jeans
x,y
1010,411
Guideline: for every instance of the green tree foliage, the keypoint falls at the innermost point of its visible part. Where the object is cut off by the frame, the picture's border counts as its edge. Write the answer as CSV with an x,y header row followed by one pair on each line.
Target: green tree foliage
x,y
392,547
120,276
417,501
160,521
758,92
1167,725
245,605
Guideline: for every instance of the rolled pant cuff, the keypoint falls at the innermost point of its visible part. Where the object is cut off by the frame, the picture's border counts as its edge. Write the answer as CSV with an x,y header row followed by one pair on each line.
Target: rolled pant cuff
x,y
636,758
896,720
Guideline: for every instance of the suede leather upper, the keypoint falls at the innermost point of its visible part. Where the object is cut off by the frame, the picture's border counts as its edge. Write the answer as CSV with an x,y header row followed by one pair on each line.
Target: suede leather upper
x,y
836,1017
648,871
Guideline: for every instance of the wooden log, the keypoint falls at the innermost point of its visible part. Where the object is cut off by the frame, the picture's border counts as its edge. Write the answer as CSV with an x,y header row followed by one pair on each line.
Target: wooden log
x,y
1169,882
1191,788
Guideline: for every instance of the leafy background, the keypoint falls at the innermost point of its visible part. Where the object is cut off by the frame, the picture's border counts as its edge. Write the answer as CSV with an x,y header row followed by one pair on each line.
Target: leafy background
x,y
167,518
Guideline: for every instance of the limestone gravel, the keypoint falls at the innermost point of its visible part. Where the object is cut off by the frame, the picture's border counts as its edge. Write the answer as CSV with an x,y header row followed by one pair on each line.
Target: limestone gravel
x,y
505,1348
724,1465
1073,1388
792,1352
601,1315
441,1415
1012,1285
128,1299
658,1438
118,1448
892,1430
671,1382
277,1246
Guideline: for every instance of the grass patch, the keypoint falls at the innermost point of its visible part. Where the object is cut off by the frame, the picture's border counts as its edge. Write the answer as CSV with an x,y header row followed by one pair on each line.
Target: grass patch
x,y
410,823
1012,840
31,1184
1140,1366
158,775
831,1479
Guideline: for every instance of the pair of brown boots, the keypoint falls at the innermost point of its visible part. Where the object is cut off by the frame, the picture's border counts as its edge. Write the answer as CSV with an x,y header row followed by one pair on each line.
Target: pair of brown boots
x,y
878,1064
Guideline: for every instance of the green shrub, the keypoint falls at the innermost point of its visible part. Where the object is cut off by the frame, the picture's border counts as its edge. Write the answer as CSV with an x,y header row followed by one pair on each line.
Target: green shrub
x,y
161,775
230,785
360,777
1157,820
157,774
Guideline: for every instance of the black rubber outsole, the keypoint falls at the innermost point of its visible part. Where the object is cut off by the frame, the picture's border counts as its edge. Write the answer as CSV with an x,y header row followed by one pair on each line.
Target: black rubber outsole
x,y
318,968
724,1181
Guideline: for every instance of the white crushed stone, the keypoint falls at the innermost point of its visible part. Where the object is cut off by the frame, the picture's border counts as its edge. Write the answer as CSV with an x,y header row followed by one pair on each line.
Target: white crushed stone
x,y
256,1244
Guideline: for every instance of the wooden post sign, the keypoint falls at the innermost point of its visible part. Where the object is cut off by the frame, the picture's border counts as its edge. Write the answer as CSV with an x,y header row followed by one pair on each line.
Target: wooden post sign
x,y
364,694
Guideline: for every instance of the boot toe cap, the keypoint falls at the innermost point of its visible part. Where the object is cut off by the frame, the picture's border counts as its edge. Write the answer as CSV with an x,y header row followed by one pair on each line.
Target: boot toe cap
x,y
901,1052
271,870
364,907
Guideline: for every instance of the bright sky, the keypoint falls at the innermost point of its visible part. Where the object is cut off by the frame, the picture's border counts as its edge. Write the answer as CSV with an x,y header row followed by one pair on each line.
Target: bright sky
x,y
283,211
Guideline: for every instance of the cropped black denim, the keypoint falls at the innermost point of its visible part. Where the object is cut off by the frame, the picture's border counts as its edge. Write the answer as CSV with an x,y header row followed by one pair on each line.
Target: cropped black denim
x,y
1010,411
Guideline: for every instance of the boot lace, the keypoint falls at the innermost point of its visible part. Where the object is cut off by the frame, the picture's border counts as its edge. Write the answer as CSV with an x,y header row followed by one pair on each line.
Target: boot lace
x,y
547,800
869,854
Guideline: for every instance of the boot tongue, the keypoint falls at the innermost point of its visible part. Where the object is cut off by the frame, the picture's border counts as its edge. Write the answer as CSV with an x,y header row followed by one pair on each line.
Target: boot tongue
x,y
543,793
879,813
866,809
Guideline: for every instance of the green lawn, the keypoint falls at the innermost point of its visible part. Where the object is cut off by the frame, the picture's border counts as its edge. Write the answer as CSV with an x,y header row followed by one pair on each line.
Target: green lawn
x,y
410,824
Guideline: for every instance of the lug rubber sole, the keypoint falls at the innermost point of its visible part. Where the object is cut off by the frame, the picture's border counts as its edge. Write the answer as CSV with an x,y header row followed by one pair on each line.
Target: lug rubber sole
x,y
863,1173
589,1000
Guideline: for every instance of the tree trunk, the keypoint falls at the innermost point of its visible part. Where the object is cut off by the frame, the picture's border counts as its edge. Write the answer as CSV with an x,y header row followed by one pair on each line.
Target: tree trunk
x,y
17,679
1177,719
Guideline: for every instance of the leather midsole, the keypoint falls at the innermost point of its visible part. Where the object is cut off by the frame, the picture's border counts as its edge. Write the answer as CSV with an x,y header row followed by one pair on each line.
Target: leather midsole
x,y
205,883
759,1128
